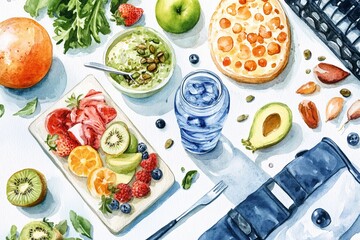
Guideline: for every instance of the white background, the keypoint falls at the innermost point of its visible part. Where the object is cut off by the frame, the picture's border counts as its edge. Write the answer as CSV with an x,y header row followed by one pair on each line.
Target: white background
x,y
231,161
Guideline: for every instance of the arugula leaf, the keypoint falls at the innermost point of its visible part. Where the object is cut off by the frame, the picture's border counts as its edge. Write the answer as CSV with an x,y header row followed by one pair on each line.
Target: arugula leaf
x,y
81,225
187,180
29,108
2,110
50,224
62,227
34,6
13,233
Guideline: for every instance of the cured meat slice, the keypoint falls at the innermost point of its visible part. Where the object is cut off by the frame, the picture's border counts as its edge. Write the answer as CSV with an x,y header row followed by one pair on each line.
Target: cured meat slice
x,y
58,121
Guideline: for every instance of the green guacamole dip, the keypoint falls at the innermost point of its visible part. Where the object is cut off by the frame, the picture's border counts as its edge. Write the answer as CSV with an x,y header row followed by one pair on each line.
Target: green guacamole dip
x,y
144,54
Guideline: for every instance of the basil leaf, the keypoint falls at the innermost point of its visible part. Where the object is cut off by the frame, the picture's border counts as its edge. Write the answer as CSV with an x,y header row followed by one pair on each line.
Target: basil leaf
x,y
34,6
81,225
13,233
62,227
28,109
2,110
187,181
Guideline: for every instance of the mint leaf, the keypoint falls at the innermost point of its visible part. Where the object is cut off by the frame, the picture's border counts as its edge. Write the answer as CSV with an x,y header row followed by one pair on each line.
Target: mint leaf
x,y
187,180
80,224
2,110
62,227
104,204
34,6
13,233
28,109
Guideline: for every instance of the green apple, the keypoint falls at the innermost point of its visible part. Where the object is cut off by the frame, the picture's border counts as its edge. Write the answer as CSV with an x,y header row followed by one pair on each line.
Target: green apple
x,y
124,177
177,16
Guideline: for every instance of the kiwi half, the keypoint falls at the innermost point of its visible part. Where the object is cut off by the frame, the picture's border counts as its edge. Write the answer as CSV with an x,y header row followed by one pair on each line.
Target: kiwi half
x,y
26,188
115,140
37,230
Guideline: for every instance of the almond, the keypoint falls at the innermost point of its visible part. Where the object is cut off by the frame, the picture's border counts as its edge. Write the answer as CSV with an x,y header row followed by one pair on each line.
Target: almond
x,y
329,74
309,113
307,88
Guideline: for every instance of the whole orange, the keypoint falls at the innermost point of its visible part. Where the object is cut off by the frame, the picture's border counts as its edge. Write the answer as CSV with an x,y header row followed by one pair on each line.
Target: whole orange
x,y
25,52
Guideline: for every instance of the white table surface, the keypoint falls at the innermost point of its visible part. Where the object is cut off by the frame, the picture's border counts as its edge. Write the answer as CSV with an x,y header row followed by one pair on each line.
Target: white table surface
x,y
242,170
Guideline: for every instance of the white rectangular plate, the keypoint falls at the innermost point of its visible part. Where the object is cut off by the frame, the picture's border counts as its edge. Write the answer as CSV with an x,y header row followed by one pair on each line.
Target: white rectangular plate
x,y
117,221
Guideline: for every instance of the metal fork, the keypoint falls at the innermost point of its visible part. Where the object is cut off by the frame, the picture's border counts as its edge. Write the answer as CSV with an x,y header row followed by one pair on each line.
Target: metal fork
x,y
204,200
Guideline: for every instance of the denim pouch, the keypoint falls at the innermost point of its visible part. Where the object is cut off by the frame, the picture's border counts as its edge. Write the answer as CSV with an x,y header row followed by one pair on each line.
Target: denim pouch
x,y
283,206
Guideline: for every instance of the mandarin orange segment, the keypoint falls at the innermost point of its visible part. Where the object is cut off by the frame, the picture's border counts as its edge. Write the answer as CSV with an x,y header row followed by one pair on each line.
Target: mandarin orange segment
x,y
84,159
99,181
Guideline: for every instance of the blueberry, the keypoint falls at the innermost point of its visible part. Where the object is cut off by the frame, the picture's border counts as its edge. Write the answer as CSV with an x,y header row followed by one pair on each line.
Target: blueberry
x,y
320,218
114,205
160,123
353,138
145,155
156,174
194,58
125,208
142,147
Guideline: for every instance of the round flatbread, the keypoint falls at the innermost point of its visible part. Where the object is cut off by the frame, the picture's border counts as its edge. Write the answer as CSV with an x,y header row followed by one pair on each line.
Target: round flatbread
x,y
250,39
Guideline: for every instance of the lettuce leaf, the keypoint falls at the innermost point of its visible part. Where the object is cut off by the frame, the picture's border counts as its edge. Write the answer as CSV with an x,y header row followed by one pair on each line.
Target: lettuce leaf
x,y
34,6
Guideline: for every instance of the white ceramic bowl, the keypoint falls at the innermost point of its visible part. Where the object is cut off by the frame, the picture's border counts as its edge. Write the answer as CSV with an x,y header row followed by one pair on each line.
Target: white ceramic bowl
x,y
154,86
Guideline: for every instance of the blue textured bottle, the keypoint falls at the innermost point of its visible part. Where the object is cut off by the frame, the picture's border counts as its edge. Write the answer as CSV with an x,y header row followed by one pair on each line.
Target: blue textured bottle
x,y
202,104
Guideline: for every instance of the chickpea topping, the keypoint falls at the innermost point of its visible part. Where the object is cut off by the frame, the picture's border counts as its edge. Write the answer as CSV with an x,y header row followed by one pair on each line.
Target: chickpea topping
x,y
274,23
241,37
264,33
260,39
282,37
267,8
250,65
277,11
259,51
231,9
238,64
244,12
262,62
225,43
242,1
237,28
273,48
259,17
224,23
244,52
252,37
273,65
226,61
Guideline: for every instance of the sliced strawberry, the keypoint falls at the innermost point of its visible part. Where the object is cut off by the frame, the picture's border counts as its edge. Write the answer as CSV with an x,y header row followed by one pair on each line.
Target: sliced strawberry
x,y
58,121
61,144
128,14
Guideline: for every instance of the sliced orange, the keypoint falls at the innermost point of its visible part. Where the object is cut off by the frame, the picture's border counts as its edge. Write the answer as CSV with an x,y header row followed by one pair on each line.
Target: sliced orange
x,y
99,180
83,160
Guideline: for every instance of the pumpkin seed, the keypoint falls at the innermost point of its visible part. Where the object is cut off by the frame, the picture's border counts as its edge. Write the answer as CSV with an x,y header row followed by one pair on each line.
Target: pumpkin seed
x,y
162,58
242,117
250,98
169,143
141,46
152,49
307,54
146,76
135,75
150,60
188,179
345,92
159,54
141,51
321,58
143,60
308,71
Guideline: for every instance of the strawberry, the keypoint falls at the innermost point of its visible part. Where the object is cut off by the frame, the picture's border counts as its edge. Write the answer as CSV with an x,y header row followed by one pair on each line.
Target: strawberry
x,y
150,163
128,14
61,144
123,193
140,189
143,175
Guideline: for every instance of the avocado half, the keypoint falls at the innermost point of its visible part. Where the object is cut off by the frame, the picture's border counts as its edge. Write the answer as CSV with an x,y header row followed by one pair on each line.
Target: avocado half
x,y
271,124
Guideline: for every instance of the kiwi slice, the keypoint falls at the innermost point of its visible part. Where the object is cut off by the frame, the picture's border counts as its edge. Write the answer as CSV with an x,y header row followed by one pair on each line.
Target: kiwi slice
x,y
26,188
37,230
115,139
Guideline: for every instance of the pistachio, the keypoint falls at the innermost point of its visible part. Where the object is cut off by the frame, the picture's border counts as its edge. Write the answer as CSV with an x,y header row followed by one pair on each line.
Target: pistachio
x,y
345,92
146,76
141,46
143,60
150,60
250,98
151,67
308,71
152,49
242,117
322,58
140,51
307,54
160,54
169,143
155,40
